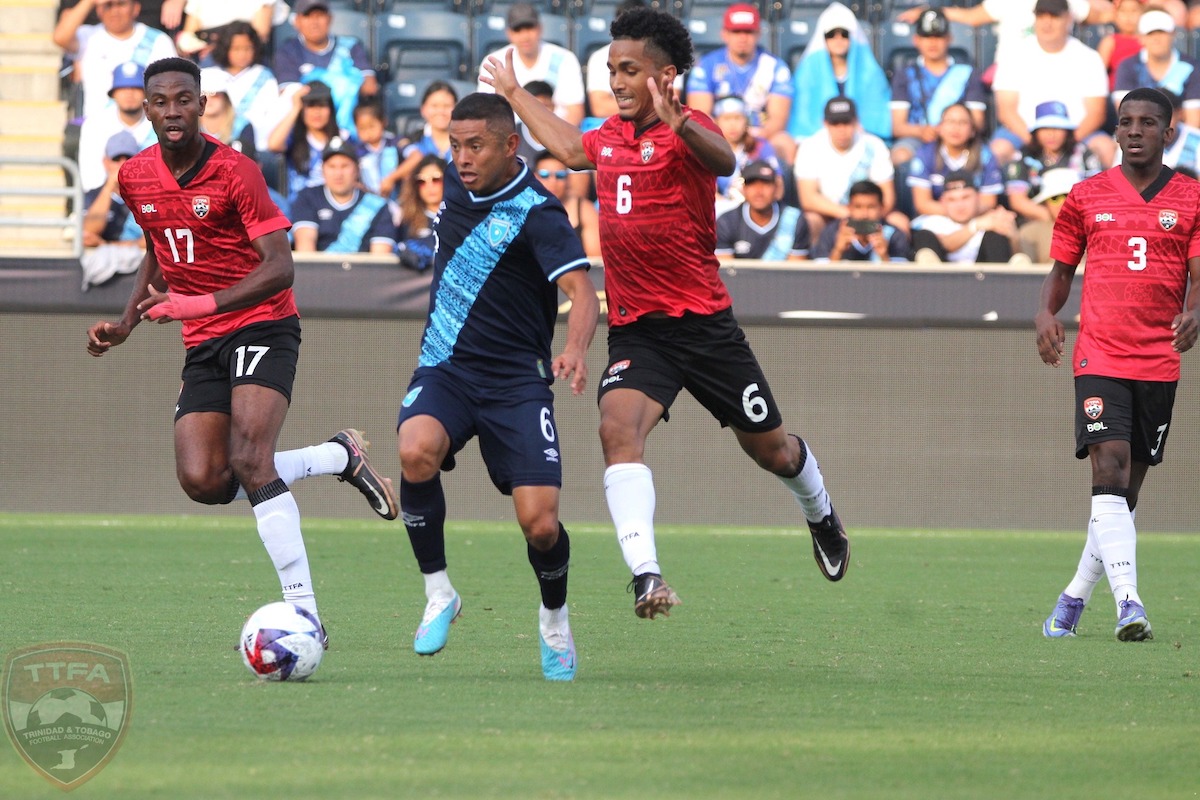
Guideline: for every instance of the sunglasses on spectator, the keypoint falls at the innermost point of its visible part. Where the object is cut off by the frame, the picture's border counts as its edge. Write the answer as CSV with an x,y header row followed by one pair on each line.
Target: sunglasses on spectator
x,y
560,174
837,33
434,179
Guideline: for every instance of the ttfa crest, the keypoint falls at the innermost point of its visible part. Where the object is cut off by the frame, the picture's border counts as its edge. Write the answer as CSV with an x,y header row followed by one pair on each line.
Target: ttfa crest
x,y
647,151
1167,219
200,206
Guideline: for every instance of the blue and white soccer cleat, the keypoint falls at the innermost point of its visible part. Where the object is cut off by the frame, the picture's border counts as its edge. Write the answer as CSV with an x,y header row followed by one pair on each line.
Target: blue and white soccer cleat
x,y
435,625
1132,625
1065,617
558,665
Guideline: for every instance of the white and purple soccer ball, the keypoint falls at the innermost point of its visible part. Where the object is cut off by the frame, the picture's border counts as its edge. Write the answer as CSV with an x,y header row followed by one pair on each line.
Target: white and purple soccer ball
x,y
282,642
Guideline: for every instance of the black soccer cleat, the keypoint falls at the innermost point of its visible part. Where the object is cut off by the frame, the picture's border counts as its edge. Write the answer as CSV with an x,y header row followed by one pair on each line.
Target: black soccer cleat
x,y
831,547
362,476
652,595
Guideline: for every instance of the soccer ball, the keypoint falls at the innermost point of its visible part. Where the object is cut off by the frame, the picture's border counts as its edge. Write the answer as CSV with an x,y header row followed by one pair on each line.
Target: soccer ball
x,y
282,642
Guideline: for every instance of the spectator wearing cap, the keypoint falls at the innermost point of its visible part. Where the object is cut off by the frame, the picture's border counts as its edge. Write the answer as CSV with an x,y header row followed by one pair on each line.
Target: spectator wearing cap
x,y
835,158
239,70
314,54
1052,146
967,231
1034,237
338,217
863,235
929,84
125,113
99,51
733,119
762,227
602,104
959,147
1013,21
743,68
1053,65
839,62
1160,65
303,134
107,218
536,60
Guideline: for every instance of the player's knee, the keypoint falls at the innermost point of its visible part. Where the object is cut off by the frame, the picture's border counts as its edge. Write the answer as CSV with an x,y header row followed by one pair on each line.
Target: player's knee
x,y
204,487
418,464
251,468
542,532
618,446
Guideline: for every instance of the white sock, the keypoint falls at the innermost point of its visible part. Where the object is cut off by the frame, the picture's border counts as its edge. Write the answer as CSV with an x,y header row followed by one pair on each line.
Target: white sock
x,y
629,490
437,586
279,529
329,458
1090,569
1117,540
554,627
808,487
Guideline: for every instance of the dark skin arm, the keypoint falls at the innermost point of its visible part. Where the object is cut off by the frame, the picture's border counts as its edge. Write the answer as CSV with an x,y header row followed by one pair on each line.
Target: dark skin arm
x,y
1051,335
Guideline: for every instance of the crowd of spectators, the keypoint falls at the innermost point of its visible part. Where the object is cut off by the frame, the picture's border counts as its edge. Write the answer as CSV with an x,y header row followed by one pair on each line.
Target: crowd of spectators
x,y
845,153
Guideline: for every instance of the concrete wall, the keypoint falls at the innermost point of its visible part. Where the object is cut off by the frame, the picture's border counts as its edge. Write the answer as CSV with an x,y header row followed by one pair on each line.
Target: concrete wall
x,y
914,428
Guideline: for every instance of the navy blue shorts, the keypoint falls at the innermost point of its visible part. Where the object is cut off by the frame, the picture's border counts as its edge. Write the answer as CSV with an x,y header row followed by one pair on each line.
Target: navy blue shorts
x,y
518,437
1138,412
707,355
262,353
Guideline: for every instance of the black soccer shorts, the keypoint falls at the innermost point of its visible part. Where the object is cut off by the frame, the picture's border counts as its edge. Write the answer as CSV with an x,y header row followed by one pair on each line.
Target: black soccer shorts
x,y
1139,412
262,353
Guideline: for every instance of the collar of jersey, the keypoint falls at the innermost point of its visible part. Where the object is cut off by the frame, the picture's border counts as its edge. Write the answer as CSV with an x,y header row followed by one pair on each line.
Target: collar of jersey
x,y
508,187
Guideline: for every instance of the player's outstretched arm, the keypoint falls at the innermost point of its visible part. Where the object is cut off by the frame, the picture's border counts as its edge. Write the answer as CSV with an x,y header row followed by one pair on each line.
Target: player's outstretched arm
x,y
581,327
557,135
1186,325
708,146
1051,336
104,335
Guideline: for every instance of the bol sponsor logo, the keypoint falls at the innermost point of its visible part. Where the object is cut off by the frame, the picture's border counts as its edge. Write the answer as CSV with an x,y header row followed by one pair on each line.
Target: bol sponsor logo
x,y
1106,218
66,708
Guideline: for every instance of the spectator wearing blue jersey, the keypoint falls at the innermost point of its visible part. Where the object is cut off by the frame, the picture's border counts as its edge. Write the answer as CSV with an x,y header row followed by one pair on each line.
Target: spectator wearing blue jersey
x,y
732,118
742,68
486,366
303,134
927,85
1160,65
1183,154
863,235
437,103
238,71
959,148
314,54
338,217
762,227
378,150
839,62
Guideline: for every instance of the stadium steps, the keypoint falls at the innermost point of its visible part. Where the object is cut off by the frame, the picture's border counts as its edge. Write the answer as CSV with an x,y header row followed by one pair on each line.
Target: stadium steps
x,y
32,120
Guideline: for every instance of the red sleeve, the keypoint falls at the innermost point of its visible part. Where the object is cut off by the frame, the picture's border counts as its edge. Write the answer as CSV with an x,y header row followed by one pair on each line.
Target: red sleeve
x,y
1194,240
254,203
589,143
1069,240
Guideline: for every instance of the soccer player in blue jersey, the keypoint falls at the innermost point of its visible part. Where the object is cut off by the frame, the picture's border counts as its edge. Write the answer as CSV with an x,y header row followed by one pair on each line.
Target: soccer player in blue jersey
x,y
505,248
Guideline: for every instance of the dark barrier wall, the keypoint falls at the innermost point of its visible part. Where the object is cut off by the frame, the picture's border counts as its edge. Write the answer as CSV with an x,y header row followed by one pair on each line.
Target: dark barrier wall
x,y
915,428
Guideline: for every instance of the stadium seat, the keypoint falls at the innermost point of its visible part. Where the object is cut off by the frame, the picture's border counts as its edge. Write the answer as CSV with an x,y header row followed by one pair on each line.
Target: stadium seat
x,y
346,22
422,42
704,23
591,33
402,100
793,34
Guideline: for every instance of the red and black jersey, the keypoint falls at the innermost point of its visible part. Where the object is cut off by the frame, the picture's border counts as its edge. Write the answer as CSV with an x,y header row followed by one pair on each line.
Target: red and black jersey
x,y
201,230
1136,275
658,226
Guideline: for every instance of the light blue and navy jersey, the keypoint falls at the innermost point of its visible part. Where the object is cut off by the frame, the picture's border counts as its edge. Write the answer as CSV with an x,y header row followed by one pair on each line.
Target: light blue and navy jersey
x,y
494,299
350,227
924,95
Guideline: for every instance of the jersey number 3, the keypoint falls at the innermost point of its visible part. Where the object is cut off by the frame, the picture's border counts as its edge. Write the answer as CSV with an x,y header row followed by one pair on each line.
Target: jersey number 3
x,y
1137,245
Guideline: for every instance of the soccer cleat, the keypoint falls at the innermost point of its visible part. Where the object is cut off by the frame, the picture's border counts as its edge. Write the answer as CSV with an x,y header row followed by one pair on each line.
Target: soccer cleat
x,y
831,547
652,595
435,625
362,476
558,665
324,637
1064,618
1132,625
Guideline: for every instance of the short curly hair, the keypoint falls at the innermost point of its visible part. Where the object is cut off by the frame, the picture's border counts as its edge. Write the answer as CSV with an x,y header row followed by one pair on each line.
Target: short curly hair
x,y
667,40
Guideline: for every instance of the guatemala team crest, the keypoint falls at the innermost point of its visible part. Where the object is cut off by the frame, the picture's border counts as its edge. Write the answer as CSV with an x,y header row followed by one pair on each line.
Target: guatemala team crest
x,y
647,151
67,706
200,206
1093,407
1167,219
497,231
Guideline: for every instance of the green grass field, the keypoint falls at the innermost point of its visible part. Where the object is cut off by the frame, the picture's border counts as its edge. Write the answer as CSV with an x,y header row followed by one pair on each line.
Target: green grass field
x,y
922,675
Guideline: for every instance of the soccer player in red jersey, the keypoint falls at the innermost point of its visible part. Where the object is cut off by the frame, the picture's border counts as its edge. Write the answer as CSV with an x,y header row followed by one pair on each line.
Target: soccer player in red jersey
x,y
671,325
1139,224
218,259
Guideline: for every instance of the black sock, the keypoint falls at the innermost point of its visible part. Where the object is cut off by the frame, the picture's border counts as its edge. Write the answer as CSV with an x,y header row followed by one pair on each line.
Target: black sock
x,y
551,569
424,509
